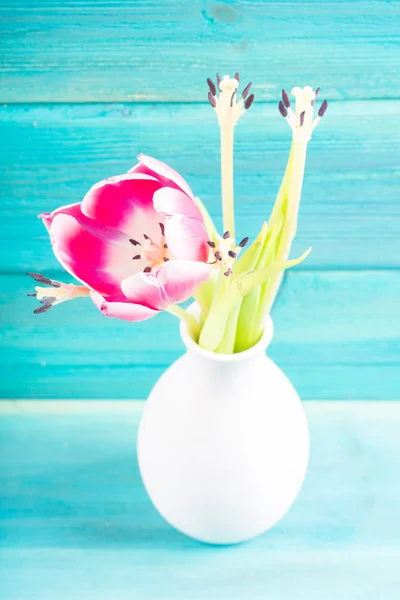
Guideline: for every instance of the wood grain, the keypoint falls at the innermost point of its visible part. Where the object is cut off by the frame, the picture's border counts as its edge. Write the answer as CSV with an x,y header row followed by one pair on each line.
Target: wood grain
x,y
86,85
77,523
350,210
336,336
124,50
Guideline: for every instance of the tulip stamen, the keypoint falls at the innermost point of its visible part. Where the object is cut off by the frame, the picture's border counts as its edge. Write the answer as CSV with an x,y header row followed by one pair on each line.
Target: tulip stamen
x,y
212,88
246,90
154,254
42,309
48,299
45,280
60,292
301,119
228,108
226,105
225,252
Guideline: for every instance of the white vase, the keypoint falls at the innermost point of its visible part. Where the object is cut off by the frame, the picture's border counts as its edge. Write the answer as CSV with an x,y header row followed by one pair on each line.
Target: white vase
x,y
223,443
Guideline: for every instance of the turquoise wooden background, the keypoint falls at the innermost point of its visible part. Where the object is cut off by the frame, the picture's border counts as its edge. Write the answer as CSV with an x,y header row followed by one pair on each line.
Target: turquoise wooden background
x,y
86,85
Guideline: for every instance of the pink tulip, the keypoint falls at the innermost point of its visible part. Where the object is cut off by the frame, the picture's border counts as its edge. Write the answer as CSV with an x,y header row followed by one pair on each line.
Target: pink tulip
x,y
138,241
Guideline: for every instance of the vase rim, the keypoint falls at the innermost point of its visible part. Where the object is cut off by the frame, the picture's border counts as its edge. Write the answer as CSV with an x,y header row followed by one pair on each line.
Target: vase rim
x,y
258,348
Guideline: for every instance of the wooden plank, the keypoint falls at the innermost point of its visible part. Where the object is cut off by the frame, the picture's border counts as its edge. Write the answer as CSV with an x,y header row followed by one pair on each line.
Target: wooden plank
x,y
336,336
113,50
350,211
76,522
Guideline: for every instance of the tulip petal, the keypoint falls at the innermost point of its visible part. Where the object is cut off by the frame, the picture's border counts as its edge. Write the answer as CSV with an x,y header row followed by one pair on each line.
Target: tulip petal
x,y
164,173
119,308
186,238
96,228
178,279
170,202
125,203
99,265
145,289
69,209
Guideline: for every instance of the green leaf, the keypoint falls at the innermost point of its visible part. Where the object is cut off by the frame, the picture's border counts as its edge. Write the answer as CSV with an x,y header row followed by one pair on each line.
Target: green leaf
x,y
227,345
248,260
204,294
277,216
247,332
214,326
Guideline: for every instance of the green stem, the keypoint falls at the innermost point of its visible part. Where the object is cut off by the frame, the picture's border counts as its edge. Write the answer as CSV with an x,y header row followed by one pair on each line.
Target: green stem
x,y
220,287
227,345
248,306
227,178
285,214
192,323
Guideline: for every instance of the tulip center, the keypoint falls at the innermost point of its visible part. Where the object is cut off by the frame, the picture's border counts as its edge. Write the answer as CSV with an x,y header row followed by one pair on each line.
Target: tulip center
x,y
225,252
151,253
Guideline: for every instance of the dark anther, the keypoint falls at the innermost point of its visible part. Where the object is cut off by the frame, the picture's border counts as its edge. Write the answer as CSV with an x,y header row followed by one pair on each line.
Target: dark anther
x,y
322,108
228,272
41,309
282,109
316,94
162,228
136,257
146,237
212,87
45,280
246,90
285,98
165,245
218,256
32,295
232,97
249,101
243,242
165,259
211,244
211,100
226,235
147,270
218,78
40,278
232,254
237,77
135,243
302,115
47,300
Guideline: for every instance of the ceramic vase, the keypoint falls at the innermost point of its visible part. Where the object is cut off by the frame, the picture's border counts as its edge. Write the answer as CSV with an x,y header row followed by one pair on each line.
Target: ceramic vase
x,y
223,443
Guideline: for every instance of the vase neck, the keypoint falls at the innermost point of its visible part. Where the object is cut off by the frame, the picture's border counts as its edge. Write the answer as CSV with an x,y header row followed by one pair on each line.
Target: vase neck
x,y
256,350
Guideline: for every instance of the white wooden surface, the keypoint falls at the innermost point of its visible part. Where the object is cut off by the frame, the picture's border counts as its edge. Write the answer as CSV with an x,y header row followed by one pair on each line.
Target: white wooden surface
x,y
76,522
